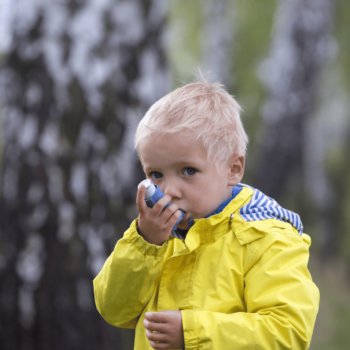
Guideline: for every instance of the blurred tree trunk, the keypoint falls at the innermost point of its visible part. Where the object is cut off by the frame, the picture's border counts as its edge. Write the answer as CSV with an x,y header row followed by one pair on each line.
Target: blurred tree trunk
x,y
219,27
300,48
79,76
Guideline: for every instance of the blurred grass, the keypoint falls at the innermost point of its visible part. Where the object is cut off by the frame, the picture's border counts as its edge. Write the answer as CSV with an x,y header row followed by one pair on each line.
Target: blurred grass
x,y
332,331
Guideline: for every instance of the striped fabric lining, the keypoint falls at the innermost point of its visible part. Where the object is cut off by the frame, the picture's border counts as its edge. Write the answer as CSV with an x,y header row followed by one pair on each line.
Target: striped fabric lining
x,y
262,207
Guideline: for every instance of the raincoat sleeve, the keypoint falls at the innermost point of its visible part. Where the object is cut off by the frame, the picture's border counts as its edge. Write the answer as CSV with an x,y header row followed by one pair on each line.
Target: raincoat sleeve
x,y
128,279
281,302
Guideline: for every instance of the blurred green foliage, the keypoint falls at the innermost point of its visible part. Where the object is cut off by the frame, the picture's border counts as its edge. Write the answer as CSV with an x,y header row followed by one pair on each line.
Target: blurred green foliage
x,y
252,28
184,39
253,37
338,164
342,34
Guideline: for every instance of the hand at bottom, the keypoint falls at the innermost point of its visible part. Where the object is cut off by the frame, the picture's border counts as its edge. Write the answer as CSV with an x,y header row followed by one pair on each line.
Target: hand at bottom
x,y
168,327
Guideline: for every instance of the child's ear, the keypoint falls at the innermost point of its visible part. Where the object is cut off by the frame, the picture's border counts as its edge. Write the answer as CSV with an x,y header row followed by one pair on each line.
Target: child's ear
x,y
236,170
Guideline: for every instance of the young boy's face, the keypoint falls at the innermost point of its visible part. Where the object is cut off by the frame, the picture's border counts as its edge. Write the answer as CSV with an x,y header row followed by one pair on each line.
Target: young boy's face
x,y
178,164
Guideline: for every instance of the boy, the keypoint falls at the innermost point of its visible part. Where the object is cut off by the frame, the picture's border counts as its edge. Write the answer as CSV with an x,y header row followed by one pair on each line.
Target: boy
x,y
233,273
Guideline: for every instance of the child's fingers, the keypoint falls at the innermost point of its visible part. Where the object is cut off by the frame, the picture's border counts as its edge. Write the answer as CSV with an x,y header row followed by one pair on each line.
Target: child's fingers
x,y
161,337
140,200
155,327
173,219
156,317
168,213
159,206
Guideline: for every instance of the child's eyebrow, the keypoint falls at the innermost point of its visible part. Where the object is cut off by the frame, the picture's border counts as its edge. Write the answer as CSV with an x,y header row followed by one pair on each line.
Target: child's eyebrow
x,y
150,169
181,163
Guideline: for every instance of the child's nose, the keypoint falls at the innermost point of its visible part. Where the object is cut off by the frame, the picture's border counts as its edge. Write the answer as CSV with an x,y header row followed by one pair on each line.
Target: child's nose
x,y
173,190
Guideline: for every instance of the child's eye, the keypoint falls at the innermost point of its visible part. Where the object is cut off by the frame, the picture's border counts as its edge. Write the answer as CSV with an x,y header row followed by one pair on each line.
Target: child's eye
x,y
156,175
190,171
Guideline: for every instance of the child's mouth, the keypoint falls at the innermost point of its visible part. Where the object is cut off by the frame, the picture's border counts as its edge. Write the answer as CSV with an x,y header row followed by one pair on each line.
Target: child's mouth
x,y
184,218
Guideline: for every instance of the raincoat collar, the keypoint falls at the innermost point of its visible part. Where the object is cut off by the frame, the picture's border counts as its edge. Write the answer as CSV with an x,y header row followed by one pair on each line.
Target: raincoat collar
x,y
178,233
233,218
210,229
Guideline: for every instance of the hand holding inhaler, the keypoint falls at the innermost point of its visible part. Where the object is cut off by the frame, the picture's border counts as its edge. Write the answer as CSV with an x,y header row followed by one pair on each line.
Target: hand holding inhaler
x,y
157,215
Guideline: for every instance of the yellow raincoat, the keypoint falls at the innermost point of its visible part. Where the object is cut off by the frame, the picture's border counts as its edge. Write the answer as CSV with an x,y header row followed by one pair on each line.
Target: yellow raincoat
x,y
238,284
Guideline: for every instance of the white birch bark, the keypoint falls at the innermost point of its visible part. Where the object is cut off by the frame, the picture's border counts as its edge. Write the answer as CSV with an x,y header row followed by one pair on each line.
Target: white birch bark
x,y
301,46
76,80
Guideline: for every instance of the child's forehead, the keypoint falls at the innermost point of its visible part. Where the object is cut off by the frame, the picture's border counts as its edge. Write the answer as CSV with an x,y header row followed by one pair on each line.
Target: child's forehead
x,y
171,149
170,141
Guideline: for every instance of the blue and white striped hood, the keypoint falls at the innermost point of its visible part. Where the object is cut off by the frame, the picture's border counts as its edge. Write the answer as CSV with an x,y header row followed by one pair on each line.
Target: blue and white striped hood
x,y
262,207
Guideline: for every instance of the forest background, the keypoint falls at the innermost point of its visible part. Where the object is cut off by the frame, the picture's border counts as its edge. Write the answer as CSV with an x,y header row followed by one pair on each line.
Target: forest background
x,y
75,79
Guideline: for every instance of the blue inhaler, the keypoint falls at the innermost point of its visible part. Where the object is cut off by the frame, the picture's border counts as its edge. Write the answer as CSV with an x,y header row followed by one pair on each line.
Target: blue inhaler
x,y
154,194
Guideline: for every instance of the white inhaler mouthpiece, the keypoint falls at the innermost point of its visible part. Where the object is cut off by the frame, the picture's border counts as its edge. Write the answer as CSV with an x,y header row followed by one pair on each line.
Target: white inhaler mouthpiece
x,y
150,188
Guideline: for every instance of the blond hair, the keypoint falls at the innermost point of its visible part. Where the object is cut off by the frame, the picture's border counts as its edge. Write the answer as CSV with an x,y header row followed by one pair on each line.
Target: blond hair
x,y
203,110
